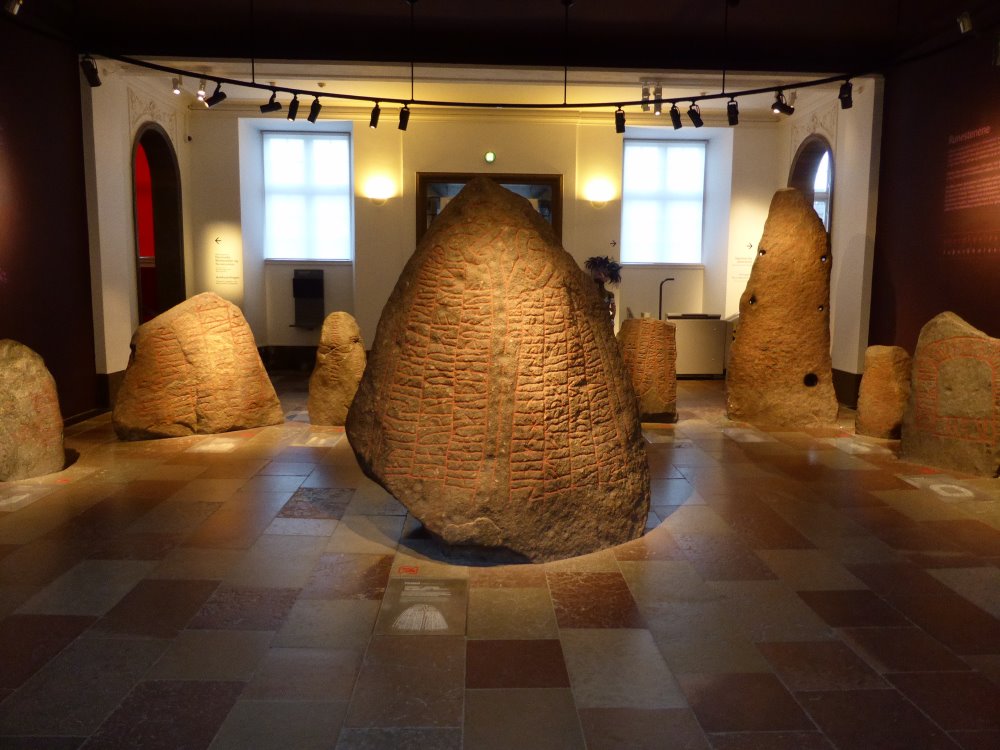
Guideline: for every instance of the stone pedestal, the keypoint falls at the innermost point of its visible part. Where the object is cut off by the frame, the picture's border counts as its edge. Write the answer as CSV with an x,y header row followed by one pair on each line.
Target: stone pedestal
x,y
780,372
649,348
885,389
194,370
953,416
496,405
31,425
340,362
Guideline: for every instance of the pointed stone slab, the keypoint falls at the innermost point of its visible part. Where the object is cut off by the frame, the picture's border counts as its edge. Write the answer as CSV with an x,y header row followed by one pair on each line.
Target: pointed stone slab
x,y
780,371
953,416
885,389
31,425
496,405
340,362
194,370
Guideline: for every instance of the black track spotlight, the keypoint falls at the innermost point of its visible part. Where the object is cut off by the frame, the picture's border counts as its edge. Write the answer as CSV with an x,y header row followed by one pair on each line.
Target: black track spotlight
x,y
404,117
694,112
619,120
314,109
273,105
175,85
733,112
658,100
675,117
293,108
89,68
202,84
376,111
218,96
780,106
846,95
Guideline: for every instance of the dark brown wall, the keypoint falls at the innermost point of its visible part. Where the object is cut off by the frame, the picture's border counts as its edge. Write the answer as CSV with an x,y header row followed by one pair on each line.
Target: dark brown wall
x,y
927,259
44,256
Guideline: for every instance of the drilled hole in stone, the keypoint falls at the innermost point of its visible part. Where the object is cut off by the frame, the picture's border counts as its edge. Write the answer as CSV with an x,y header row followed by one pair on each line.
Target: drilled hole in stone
x,y
753,299
822,258
821,308
762,251
810,380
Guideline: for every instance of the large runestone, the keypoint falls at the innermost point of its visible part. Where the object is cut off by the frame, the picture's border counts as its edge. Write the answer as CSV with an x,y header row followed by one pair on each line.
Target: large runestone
x,y
31,425
495,404
779,370
194,370
952,419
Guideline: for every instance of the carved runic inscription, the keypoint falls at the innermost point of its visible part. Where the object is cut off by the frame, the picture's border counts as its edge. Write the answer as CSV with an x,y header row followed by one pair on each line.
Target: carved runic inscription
x,y
495,404
977,421
649,348
953,417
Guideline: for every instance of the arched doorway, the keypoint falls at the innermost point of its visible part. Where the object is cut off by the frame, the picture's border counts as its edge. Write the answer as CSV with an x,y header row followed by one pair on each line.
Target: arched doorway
x,y
812,174
158,231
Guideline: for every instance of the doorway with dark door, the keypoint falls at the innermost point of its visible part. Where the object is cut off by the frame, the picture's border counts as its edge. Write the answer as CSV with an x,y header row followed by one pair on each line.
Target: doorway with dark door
x,y
158,227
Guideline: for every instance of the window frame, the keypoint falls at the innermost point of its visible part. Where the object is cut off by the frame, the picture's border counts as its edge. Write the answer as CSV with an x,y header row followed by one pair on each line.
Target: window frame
x,y
664,199
347,192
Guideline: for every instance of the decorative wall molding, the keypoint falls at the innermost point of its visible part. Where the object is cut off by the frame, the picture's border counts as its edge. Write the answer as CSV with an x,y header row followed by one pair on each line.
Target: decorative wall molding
x,y
143,108
821,121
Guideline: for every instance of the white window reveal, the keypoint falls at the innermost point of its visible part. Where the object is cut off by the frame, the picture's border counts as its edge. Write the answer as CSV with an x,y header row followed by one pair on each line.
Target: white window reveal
x,y
307,196
663,200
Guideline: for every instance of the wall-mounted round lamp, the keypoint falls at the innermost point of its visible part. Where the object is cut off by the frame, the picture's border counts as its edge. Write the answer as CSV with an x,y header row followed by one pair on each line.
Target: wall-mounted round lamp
x,y
489,157
379,189
599,190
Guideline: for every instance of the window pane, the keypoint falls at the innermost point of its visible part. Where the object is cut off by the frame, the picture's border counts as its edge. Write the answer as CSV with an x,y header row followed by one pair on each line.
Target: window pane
x,y
822,182
640,238
683,232
685,169
331,235
643,169
285,225
331,162
284,162
308,197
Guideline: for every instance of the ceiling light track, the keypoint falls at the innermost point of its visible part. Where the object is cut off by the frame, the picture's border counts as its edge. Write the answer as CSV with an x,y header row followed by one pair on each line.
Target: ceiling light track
x,y
269,87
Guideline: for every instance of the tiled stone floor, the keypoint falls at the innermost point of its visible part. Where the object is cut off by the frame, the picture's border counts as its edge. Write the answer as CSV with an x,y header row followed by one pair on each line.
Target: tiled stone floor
x,y
797,589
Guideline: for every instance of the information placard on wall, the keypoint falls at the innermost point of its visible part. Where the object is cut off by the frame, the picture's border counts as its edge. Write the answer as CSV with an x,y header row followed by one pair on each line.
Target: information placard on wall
x,y
972,193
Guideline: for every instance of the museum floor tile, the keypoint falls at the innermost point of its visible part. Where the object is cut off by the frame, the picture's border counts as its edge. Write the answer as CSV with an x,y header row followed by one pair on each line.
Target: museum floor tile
x,y
795,589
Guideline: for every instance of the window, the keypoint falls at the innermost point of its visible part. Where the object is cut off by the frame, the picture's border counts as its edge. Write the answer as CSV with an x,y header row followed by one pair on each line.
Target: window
x,y
307,196
663,197
821,190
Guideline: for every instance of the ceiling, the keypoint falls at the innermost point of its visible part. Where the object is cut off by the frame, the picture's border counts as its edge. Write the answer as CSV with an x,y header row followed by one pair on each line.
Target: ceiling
x,y
604,48
777,35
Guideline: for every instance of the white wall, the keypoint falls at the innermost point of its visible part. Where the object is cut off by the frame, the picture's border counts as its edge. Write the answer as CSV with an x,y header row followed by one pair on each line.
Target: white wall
x,y
113,113
855,135
756,177
746,164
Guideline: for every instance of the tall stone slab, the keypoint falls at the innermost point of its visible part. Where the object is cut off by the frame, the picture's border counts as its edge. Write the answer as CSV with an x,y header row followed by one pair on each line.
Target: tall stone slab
x,y
885,389
31,425
495,404
340,362
780,371
649,348
953,416
194,370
